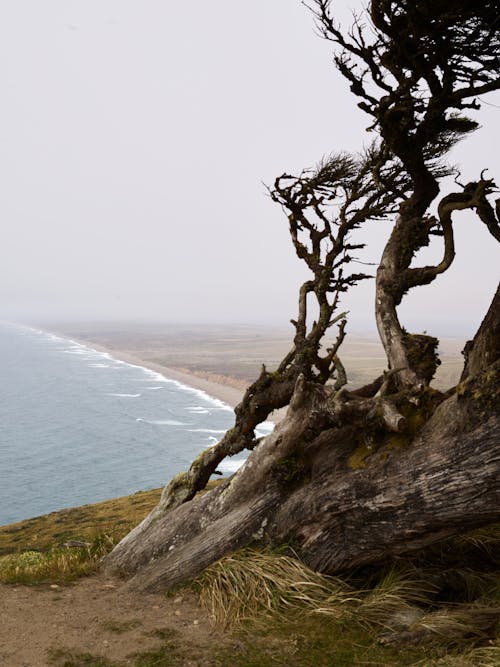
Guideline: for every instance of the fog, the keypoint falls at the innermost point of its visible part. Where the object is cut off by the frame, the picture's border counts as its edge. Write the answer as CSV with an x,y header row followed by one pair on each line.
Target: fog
x,y
136,139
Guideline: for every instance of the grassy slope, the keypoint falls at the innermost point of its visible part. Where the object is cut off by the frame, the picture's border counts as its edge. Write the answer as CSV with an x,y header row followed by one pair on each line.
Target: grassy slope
x,y
279,612
112,517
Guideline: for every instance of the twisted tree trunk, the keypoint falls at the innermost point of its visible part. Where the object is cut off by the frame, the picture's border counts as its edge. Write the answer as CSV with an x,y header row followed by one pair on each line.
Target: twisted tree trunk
x,y
347,480
414,360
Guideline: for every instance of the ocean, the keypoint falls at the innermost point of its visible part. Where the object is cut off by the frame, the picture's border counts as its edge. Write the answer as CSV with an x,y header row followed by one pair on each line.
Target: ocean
x,y
78,426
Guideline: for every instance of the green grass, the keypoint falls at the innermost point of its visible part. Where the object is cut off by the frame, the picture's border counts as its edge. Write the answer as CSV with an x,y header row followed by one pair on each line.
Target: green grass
x,y
114,518
164,656
63,658
307,641
32,551
168,654
57,564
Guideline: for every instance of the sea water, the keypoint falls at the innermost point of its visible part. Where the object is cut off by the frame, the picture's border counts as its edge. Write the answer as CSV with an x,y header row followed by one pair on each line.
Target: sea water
x,y
78,426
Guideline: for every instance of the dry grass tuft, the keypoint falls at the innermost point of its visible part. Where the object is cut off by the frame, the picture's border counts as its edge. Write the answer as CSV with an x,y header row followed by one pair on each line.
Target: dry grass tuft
x,y
254,585
251,583
395,597
484,656
454,623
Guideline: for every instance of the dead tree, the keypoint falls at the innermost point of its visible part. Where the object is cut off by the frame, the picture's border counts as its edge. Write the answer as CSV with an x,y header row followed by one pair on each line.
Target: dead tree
x,y
355,477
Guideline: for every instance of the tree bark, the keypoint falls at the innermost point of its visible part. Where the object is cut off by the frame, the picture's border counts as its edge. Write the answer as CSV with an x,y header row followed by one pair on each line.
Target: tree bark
x,y
485,348
339,496
395,277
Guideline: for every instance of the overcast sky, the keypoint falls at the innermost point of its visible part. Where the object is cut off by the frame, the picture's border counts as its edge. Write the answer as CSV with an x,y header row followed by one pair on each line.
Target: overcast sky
x,y
135,137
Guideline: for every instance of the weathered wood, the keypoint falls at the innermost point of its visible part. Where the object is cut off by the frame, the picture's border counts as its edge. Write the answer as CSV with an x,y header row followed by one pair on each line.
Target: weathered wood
x,y
446,481
485,348
306,485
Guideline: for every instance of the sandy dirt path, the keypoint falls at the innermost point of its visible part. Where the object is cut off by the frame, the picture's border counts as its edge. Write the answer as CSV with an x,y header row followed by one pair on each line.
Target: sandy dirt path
x,y
97,616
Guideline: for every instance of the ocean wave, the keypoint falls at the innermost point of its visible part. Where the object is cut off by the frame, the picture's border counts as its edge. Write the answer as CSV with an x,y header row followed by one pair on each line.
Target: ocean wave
x,y
98,365
230,465
81,349
207,430
162,422
216,403
77,414
198,410
51,336
264,429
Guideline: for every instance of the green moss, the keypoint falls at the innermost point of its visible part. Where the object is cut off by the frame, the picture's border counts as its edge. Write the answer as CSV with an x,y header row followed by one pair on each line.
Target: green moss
x,y
357,460
397,441
482,393
416,412
291,470
422,354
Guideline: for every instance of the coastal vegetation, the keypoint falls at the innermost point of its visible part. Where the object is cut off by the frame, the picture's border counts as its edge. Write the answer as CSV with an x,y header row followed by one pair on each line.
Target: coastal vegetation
x,y
65,545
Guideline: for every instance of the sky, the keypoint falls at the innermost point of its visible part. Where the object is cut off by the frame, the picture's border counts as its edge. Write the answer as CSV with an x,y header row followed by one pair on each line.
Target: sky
x,y
136,139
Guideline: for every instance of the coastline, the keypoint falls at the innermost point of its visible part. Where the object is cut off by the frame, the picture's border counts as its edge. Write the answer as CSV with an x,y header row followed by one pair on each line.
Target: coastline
x,y
223,392
226,393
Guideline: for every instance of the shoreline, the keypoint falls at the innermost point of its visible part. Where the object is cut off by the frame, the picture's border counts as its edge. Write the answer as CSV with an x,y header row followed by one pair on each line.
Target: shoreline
x,y
225,393
222,392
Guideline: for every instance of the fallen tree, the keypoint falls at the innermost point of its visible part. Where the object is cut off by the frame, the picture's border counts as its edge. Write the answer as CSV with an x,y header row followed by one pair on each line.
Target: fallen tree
x,y
352,477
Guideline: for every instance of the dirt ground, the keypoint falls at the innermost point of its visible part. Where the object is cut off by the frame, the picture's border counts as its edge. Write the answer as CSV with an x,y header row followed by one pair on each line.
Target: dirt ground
x,y
97,616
